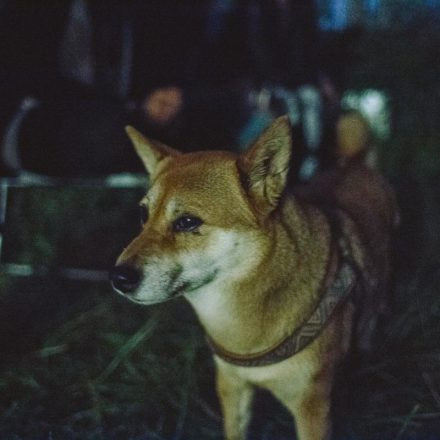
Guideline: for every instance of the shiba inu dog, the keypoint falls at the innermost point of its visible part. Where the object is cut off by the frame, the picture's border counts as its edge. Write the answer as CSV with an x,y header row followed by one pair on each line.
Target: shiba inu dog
x,y
279,278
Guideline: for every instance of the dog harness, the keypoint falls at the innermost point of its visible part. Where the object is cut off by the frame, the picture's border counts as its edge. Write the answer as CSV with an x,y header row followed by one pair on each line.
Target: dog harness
x,y
341,288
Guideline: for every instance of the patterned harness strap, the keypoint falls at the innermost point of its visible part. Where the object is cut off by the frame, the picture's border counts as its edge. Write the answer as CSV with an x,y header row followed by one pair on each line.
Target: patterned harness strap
x,y
340,290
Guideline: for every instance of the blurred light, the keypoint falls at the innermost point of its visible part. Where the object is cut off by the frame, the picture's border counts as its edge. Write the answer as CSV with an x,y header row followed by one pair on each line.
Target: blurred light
x,y
374,106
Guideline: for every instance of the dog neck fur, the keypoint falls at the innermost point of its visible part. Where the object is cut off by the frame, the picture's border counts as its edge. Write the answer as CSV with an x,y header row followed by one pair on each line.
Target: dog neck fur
x,y
239,311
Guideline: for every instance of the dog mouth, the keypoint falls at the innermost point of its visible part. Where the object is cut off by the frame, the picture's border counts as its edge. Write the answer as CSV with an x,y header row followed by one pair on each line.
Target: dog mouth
x,y
182,287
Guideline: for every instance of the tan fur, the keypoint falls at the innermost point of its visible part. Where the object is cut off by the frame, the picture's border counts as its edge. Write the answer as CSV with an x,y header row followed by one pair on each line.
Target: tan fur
x,y
354,139
353,134
252,271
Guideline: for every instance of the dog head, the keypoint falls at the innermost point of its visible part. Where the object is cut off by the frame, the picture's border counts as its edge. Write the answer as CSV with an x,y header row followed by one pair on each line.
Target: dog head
x,y
203,218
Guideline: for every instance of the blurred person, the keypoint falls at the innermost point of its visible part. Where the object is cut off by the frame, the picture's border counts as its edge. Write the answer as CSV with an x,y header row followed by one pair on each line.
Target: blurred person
x,y
265,53
74,72
255,60
194,74
284,45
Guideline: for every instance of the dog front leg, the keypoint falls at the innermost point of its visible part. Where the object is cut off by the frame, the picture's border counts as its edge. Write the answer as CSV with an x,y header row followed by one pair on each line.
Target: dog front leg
x,y
235,397
312,418
311,412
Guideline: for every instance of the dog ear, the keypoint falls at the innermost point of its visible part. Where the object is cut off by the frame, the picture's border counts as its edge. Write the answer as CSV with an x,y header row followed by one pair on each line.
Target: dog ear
x,y
151,152
265,166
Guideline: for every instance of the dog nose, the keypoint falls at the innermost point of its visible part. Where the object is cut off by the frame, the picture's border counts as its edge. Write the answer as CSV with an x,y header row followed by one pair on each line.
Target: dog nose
x,y
125,278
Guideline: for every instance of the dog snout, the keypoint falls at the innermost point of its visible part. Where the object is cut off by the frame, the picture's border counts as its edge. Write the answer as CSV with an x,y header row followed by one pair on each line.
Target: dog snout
x,y
125,278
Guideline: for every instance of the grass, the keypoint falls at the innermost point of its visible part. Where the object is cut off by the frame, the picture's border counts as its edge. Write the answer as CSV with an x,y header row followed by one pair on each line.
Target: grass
x,y
103,369
79,362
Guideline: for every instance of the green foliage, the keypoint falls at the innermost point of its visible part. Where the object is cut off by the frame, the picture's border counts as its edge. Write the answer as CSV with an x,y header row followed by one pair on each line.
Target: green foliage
x,y
103,369
70,226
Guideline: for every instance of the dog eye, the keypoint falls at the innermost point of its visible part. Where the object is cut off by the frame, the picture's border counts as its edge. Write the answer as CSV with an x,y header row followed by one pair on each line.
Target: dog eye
x,y
186,223
143,213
